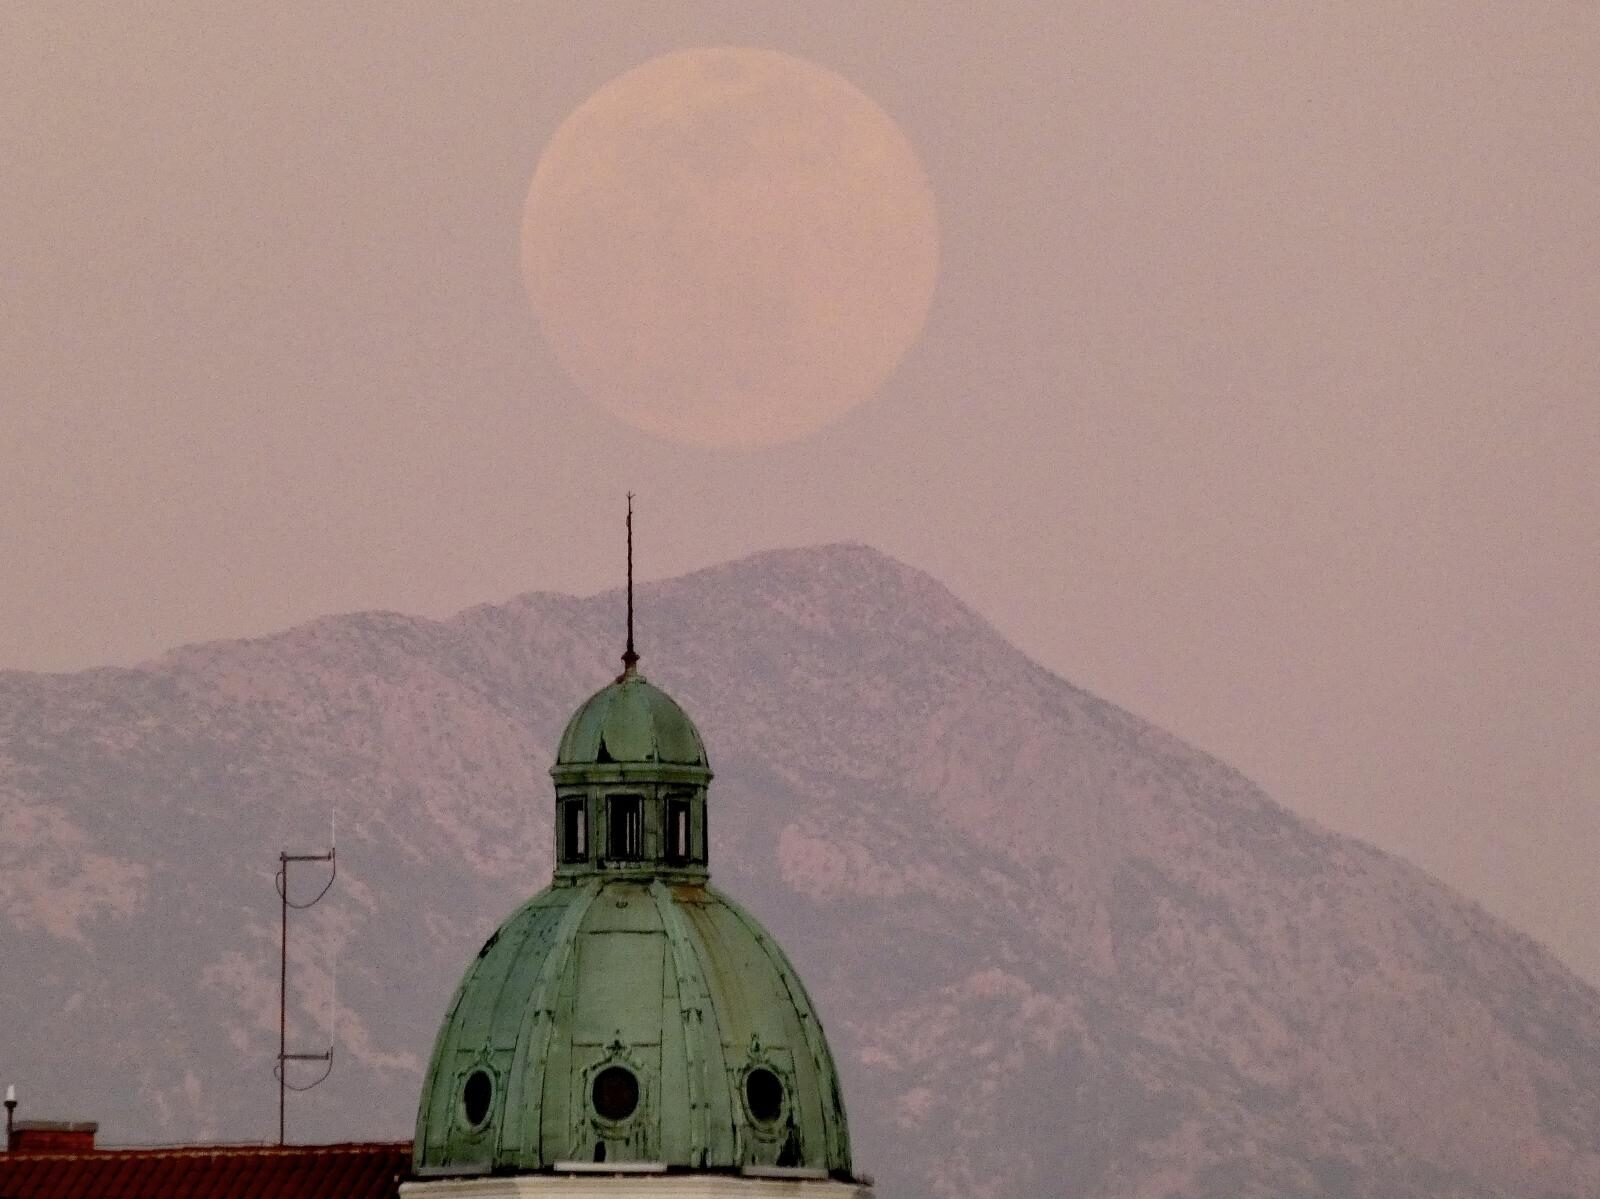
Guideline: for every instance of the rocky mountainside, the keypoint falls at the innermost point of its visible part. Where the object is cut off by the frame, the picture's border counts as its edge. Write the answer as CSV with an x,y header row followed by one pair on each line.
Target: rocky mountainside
x,y
1058,951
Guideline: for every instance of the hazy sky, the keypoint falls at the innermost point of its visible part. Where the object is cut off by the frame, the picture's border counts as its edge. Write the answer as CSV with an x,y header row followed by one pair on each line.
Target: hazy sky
x,y
1258,393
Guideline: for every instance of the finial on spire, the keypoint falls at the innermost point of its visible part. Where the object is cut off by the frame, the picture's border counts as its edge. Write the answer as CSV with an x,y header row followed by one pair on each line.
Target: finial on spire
x,y
630,659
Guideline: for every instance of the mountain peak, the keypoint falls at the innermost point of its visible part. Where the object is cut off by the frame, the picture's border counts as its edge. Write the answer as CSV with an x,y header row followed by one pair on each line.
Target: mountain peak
x,y
1058,950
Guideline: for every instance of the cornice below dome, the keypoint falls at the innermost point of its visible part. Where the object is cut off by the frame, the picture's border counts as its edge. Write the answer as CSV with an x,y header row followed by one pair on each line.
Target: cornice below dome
x,y
563,1185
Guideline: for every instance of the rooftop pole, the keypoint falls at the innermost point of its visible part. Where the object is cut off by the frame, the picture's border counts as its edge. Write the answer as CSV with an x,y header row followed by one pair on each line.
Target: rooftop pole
x,y
630,659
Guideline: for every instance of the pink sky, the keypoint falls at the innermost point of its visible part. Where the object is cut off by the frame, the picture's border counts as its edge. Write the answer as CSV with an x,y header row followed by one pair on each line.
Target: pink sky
x,y
1258,393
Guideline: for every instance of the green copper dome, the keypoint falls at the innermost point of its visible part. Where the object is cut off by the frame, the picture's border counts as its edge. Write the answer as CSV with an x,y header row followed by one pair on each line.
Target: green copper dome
x,y
593,984
630,1012
631,721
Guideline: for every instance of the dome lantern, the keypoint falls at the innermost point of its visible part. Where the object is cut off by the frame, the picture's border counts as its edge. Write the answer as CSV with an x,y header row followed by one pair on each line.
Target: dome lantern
x,y
631,774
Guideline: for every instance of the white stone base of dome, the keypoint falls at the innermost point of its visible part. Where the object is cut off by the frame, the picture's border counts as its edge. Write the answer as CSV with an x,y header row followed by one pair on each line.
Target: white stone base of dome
x,y
591,1185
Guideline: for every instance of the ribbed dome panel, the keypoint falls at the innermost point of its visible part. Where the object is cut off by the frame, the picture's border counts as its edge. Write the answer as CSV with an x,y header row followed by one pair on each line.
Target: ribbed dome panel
x,y
676,986
631,721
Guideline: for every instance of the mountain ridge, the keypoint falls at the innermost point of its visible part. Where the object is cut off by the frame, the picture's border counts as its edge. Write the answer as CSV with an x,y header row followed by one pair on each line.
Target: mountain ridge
x,y
998,885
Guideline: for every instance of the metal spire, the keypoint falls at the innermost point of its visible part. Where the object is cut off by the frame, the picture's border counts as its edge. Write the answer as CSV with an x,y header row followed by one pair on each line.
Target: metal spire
x,y
630,659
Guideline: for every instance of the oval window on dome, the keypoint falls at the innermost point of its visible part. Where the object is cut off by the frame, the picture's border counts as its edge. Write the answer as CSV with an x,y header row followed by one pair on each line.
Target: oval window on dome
x,y
476,1096
763,1095
615,1093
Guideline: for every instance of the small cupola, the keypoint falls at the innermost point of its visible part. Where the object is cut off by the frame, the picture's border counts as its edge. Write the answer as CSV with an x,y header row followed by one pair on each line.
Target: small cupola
x,y
632,727
631,774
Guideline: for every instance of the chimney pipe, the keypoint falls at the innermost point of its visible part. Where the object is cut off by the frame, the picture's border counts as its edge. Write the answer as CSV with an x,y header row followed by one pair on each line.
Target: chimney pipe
x,y
52,1136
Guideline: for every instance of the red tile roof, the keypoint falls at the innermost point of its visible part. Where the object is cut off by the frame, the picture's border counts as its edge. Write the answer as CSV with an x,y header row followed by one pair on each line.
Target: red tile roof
x,y
359,1171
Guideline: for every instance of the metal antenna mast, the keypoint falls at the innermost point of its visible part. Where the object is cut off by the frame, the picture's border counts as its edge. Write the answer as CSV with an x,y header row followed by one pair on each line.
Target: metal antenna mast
x,y
284,1056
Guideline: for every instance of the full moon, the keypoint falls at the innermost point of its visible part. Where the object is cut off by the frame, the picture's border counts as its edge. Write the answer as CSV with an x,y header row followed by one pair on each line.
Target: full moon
x,y
729,246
